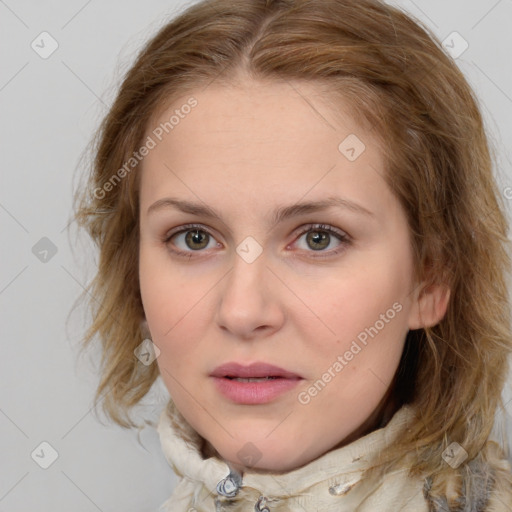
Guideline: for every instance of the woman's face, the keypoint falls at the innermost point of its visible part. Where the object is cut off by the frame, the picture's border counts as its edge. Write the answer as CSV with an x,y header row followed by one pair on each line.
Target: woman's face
x,y
268,235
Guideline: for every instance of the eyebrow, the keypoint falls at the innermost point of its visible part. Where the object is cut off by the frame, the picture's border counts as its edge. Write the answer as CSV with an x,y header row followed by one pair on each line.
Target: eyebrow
x,y
280,214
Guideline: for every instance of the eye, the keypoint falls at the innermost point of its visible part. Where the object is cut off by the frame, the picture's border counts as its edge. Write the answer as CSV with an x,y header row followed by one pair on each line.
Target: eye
x,y
316,238
319,237
190,239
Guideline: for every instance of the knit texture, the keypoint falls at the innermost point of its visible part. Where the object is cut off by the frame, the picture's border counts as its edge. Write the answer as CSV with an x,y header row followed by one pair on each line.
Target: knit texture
x,y
331,482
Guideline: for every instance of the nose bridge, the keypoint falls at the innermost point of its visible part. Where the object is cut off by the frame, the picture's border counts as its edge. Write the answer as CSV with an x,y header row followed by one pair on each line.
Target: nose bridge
x,y
249,264
247,302
247,276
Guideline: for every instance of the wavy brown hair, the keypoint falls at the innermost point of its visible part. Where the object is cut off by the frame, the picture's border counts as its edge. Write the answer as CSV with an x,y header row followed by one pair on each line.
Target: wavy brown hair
x,y
400,84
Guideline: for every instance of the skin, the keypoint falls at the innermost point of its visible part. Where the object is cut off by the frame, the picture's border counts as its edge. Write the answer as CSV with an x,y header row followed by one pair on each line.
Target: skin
x,y
245,150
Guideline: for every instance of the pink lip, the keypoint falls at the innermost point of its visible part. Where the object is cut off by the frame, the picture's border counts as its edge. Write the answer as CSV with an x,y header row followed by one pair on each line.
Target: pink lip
x,y
252,393
253,370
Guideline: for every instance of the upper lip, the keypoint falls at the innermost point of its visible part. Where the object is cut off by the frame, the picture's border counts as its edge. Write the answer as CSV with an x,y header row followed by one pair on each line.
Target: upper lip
x,y
253,370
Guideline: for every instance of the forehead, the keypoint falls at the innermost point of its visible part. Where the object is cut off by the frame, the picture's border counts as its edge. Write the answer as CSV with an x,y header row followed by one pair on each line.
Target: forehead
x,y
271,139
255,113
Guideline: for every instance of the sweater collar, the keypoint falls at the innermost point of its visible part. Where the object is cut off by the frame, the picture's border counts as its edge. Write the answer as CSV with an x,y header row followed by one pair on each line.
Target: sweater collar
x,y
340,468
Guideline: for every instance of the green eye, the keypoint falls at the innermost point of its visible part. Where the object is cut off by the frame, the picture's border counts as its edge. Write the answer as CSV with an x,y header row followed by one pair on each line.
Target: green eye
x,y
189,239
320,236
197,239
318,240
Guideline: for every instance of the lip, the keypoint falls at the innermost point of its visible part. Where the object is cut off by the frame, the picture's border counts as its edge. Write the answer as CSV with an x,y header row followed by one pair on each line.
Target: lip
x,y
253,393
255,370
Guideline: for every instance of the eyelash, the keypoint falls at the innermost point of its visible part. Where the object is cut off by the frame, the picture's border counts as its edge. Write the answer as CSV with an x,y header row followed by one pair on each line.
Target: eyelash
x,y
341,236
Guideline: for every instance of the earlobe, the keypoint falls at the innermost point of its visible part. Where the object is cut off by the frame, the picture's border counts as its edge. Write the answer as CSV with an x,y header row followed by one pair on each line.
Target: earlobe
x,y
429,306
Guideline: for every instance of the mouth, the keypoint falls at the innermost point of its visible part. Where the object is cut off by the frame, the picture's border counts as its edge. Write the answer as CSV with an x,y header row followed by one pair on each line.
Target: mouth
x,y
258,383
253,372
251,379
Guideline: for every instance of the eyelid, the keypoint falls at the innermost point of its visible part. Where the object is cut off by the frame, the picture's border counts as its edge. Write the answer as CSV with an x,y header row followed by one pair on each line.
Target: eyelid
x,y
187,227
322,227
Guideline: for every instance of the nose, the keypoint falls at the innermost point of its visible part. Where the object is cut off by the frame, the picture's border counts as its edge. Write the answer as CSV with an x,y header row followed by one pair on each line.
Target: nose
x,y
249,305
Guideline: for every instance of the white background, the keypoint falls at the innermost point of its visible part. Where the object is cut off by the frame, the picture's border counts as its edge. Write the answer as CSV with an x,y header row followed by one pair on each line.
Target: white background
x,y
49,109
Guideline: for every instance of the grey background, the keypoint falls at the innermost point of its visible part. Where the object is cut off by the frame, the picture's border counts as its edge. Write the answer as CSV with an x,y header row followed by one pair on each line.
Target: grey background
x,y
49,109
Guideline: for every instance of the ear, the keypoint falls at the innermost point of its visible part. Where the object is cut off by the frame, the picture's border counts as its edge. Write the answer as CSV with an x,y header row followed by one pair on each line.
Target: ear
x,y
429,306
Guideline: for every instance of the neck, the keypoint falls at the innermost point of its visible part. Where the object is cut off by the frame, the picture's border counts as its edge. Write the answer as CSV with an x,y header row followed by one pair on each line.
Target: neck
x,y
377,419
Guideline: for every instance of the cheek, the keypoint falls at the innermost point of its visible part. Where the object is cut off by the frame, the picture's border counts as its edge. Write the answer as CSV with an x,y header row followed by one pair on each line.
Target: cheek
x,y
369,316
176,308
362,360
168,294
351,303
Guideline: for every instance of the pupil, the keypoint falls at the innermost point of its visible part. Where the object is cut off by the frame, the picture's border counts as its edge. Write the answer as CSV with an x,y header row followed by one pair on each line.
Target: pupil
x,y
196,238
316,238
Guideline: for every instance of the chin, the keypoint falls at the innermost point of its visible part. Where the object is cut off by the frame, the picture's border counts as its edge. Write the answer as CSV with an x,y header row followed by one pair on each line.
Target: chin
x,y
260,457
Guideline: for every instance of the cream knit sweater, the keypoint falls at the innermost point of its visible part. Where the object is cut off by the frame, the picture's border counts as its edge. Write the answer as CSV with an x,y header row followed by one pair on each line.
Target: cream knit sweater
x,y
329,483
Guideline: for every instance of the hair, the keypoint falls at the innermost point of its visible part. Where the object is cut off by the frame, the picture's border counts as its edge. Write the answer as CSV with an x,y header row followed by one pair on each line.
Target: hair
x,y
399,83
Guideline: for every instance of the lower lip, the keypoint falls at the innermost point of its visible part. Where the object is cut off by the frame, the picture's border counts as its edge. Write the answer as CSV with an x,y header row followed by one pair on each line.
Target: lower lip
x,y
252,393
